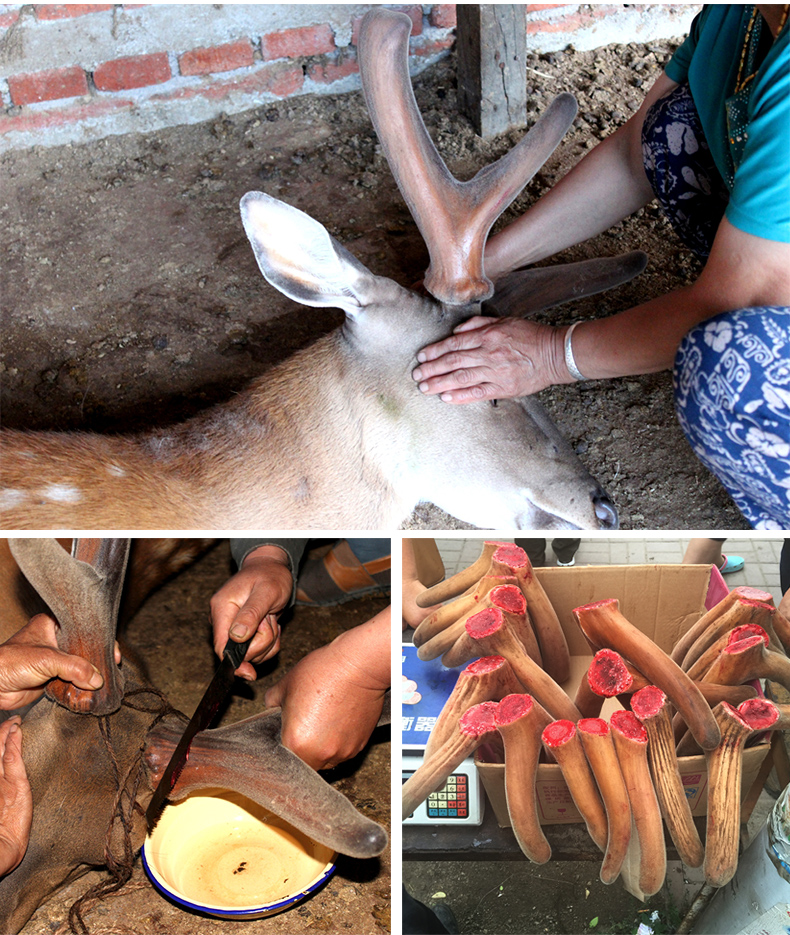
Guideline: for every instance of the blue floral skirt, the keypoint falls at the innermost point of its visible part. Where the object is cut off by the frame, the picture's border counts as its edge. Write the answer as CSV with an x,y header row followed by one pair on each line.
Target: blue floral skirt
x,y
732,372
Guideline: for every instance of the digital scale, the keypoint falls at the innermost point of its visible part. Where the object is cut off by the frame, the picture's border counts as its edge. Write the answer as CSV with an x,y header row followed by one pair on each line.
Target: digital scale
x,y
426,688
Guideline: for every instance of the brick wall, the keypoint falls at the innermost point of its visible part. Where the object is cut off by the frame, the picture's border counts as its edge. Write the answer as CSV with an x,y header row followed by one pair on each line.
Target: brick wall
x,y
75,72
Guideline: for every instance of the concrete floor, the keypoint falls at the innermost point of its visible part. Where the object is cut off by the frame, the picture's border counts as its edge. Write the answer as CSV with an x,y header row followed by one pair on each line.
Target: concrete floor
x,y
499,897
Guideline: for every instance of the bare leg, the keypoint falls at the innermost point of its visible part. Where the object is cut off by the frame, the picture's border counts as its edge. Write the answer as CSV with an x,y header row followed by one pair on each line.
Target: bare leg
x,y
704,552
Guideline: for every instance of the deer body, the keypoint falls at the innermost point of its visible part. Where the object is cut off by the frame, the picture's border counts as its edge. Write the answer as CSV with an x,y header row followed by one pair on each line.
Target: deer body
x,y
350,448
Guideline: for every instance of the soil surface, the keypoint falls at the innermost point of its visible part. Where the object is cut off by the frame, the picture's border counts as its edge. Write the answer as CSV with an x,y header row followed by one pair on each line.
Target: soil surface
x,y
132,298
170,636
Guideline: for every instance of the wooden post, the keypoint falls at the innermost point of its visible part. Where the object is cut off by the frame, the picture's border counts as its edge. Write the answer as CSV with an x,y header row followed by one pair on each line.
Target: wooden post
x,y
491,47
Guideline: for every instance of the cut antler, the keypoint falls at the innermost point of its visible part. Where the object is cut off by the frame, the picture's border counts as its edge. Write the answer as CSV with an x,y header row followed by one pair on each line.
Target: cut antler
x,y
551,639
604,625
457,610
712,653
458,583
708,619
607,675
746,660
520,721
487,679
454,217
489,628
474,728
513,605
597,742
725,768
742,612
630,741
649,704
561,739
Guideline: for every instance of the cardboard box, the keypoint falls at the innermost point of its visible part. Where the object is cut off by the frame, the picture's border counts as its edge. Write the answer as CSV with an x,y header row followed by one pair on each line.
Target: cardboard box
x,y
663,601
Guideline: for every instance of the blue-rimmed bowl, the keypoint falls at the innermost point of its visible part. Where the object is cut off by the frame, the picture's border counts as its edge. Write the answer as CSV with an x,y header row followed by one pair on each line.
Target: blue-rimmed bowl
x,y
220,853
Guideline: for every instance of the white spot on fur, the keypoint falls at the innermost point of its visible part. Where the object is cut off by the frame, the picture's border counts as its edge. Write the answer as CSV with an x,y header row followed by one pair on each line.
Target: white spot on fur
x,y
116,470
9,498
62,493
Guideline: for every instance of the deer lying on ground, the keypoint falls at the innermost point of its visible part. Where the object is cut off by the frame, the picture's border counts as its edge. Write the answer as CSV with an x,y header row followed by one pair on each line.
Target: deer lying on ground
x,y
75,740
339,435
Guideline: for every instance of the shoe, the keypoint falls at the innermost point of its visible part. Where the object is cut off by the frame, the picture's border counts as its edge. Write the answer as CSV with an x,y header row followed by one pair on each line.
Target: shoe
x,y
339,576
567,564
732,563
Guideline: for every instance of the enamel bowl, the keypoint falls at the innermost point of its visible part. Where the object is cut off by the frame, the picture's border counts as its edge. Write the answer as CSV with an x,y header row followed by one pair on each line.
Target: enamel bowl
x,y
220,853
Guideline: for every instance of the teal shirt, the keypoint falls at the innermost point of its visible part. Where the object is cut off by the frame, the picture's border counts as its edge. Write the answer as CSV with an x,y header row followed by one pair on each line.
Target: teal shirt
x,y
709,59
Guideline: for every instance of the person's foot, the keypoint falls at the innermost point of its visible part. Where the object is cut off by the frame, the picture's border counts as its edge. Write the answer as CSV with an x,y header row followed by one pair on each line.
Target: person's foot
x,y
567,564
732,563
339,576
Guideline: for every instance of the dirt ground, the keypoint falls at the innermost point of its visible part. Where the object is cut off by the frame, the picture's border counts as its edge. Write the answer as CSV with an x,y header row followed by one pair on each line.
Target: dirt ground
x,y
132,298
170,635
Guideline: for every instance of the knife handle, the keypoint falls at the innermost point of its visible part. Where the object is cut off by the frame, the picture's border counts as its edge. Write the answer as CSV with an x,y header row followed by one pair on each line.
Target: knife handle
x,y
236,651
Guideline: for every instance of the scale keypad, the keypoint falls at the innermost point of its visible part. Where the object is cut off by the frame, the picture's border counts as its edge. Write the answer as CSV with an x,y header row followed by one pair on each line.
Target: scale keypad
x,y
452,801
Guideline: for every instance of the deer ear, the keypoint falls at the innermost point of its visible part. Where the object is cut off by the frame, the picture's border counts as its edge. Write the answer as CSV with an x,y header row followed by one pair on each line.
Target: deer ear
x,y
298,256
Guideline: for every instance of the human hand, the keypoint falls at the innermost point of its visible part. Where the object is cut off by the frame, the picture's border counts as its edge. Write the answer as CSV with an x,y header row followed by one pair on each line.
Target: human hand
x,y
249,602
413,615
492,358
16,800
31,658
332,698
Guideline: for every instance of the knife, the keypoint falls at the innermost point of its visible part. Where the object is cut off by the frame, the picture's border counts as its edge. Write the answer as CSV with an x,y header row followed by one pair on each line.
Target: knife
x,y
232,657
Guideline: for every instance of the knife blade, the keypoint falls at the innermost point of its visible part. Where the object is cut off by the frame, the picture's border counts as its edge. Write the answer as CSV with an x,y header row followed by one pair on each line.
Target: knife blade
x,y
232,657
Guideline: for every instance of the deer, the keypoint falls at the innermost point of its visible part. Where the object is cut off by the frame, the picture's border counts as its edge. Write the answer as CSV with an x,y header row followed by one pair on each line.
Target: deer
x,y
93,759
339,435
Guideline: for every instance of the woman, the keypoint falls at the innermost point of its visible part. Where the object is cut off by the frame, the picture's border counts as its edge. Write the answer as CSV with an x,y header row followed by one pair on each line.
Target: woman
x,y
712,143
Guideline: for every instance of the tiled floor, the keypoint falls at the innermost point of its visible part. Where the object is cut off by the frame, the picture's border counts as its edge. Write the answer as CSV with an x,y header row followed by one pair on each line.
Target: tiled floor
x,y
761,569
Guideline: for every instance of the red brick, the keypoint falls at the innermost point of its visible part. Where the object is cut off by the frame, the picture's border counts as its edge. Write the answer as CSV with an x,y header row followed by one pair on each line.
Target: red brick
x,y
281,79
442,16
326,74
136,71
295,43
48,85
219,58
68,10
572,21
8,19
425,49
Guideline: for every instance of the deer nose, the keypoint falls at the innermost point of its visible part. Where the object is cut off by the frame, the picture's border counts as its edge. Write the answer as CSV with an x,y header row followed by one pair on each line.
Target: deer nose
x,y
605,511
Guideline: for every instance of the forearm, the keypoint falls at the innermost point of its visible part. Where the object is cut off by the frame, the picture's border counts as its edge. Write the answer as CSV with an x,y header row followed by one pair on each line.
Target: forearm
x,y
607,185
368,646
642,339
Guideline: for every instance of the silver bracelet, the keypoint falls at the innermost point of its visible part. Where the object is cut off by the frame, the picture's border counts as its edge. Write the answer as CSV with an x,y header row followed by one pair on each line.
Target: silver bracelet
x,y
570,363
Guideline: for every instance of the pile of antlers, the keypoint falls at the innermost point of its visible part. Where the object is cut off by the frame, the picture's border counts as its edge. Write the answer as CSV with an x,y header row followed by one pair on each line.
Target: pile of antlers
x,y
623,775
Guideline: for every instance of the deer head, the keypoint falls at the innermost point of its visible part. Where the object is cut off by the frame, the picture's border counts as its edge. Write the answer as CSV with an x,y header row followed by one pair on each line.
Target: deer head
x,y
93,775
